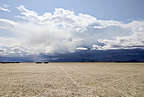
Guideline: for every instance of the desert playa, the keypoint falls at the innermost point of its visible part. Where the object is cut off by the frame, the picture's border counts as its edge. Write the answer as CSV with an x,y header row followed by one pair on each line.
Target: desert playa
x,y
72,80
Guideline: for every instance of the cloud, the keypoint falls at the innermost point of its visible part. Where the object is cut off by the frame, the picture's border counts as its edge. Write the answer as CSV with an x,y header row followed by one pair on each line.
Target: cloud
x,y
82,48
135,40
4,9
60,18
63,31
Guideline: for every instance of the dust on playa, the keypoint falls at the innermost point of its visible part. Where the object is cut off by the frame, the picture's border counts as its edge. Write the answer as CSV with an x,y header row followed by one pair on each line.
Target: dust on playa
x,y
72,80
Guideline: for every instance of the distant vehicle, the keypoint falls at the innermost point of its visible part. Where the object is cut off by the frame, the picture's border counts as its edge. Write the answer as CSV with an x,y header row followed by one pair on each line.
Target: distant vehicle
x,y
41,62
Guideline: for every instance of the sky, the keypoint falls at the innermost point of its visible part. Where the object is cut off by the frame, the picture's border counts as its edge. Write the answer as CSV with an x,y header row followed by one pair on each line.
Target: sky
x,y
122,10
67,25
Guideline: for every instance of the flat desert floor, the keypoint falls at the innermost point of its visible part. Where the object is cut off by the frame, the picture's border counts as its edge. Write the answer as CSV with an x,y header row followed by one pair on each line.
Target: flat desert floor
x,y
72,80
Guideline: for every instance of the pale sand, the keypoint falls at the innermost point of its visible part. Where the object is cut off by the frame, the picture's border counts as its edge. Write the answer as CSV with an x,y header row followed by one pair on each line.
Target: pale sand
x,y
72,80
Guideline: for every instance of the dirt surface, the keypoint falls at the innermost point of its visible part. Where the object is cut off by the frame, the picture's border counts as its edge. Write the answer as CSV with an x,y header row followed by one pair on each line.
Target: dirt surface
x,y
72,80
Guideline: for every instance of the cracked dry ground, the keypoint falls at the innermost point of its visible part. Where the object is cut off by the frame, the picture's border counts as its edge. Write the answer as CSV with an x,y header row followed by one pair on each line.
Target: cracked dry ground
x,y
72,80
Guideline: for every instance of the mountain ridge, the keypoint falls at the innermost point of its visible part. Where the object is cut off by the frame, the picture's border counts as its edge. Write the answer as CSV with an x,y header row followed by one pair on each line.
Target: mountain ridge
x,y
116,55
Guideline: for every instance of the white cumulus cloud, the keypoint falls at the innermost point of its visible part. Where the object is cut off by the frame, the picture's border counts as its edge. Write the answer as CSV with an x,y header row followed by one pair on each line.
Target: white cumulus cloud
x,y
63,30
4,9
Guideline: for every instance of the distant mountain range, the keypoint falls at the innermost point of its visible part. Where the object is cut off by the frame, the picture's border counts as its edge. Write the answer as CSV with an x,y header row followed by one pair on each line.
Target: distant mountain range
x,y
117,55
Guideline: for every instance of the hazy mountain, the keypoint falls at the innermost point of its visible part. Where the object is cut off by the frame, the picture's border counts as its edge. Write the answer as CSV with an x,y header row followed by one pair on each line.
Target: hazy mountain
x,y
119,55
